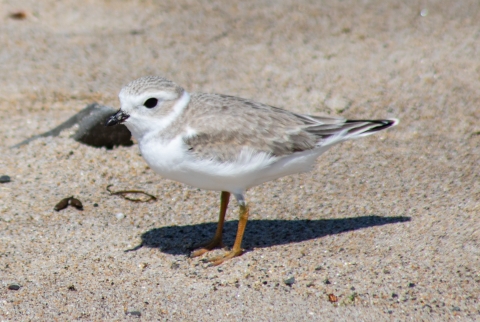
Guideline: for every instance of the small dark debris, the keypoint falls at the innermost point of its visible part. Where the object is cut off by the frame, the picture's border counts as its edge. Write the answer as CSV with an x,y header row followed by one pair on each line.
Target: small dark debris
x,y
290,281
318,268
332,298
134,313
427,307
411,285
5,179
72,288
394,295
326,281
95,204
123,194
76,203
18,15
14,287
352,288
62,204
175,266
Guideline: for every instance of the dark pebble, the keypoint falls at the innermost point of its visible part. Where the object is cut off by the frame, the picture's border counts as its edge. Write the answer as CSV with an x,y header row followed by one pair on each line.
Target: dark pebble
x,y
134,313
91,129
289,281
5,179
95,204
72,288
326,281
411,284
14,287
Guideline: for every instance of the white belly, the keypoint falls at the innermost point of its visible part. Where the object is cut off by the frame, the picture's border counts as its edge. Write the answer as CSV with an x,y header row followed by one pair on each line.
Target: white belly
x,y
172,160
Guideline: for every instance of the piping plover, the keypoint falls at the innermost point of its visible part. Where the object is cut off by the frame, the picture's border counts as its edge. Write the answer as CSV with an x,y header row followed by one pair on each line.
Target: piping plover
x,y
226,143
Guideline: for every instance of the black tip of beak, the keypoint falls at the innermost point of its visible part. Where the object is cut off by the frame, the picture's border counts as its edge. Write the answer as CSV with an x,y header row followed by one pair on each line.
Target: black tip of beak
x,y
117,118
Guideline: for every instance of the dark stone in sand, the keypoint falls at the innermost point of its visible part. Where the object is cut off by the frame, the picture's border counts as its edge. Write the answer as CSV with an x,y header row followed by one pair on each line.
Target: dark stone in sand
x,y
91,129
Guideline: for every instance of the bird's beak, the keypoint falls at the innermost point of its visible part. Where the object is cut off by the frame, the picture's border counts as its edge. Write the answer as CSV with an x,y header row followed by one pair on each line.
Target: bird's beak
x,y
117,118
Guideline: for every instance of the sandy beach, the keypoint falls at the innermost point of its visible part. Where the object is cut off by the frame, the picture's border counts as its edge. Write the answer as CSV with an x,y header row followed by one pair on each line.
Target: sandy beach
x,y
383,228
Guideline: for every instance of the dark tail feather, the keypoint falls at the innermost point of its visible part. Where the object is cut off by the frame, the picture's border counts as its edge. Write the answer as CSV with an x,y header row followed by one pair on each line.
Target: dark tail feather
x,y
348,129
367,127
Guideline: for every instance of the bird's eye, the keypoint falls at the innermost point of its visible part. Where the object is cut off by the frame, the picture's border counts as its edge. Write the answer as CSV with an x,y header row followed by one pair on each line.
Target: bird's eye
x,y
150,103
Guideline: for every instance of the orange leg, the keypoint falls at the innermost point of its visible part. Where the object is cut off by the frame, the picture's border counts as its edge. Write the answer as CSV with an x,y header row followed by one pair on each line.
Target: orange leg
x,y
237,246
217,239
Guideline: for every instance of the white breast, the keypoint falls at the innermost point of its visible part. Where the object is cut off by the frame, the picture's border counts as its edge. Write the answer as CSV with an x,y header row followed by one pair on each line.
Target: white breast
x,y
172,160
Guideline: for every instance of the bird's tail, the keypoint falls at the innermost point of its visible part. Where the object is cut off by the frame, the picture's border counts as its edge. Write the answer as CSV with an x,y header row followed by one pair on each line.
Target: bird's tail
x,y
343,130
359,128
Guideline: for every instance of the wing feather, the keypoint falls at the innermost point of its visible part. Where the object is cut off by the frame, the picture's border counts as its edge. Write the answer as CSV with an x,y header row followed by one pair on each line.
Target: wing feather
x,y
222,126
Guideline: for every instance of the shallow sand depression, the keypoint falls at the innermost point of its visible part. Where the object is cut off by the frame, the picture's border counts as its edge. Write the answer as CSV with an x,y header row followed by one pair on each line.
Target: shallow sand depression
x,y
385,227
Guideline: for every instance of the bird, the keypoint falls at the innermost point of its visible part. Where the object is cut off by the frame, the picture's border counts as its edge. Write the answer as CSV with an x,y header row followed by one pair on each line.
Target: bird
x,y
226,143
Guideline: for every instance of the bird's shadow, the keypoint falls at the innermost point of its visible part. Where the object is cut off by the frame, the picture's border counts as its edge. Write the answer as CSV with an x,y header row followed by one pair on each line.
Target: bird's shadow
x,y
178,240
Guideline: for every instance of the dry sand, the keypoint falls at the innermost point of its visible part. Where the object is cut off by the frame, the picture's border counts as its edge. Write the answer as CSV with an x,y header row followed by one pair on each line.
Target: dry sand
x,y
387,224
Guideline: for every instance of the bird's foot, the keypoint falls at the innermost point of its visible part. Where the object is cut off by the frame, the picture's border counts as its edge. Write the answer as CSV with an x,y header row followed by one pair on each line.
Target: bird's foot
x,y
215,261
206,247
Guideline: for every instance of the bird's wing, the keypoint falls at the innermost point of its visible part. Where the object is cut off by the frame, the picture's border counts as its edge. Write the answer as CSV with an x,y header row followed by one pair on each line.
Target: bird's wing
x,y
224,125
